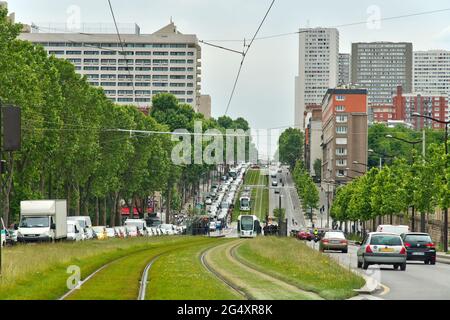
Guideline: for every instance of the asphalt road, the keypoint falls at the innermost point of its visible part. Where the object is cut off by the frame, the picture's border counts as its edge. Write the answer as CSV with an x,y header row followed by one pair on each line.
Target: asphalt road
x,y
289,201
418,282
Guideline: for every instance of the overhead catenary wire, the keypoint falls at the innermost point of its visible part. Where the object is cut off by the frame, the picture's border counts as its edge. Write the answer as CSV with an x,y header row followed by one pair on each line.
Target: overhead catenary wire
x,y
245,55
123,52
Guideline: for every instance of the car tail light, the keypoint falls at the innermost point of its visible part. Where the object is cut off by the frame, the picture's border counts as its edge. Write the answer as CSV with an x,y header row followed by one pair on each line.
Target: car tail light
x,y
407,244
325,241
430,245
403,251
344,241
369,249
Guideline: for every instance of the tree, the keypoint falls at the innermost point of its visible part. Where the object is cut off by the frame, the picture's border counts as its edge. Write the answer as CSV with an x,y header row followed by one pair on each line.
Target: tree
x,y
290,146
318,169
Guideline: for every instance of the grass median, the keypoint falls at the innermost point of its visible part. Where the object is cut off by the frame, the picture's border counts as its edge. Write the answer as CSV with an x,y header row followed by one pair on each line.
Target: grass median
x,y
39,272
180,275
294,262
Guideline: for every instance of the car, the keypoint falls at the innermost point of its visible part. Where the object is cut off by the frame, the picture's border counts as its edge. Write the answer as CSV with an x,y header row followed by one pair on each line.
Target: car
x,y
121,232
212,226
208,201
382,248
100,232
419,247
168,229
280,170
276,190
133,231
397,229
333,241
111,233
274,183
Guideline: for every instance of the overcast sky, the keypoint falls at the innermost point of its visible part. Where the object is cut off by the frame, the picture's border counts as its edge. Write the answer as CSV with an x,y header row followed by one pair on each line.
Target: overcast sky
x,y
265,92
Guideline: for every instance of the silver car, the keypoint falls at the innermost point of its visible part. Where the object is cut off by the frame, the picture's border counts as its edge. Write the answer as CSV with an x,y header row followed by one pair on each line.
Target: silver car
x,y
382,248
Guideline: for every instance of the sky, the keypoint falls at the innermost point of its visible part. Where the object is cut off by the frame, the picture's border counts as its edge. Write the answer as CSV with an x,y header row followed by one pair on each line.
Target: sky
x,y
265,91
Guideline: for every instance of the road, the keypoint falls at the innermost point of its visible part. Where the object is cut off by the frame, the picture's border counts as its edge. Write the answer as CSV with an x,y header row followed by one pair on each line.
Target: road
x,y
289,201
418,282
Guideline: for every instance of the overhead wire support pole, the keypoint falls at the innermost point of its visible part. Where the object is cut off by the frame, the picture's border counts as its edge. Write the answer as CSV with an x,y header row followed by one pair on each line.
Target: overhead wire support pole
x,y
245,54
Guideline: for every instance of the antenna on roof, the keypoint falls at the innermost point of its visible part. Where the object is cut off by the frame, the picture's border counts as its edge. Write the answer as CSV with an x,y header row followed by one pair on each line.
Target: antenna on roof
x,y
171,20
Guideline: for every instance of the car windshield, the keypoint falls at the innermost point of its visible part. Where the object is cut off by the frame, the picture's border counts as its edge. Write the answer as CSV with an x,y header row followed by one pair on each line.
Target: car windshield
x,y
418,238
34,222
247,223
131,228
386,240
334,235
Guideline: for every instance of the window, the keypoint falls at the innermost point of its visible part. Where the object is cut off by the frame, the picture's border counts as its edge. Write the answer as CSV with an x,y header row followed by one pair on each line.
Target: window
x,y
55,52
178,77
90,68
341,151
177,69
142,99
340,173
122,92
340,108
341,119
108,84
92,52
341,130
341,162
73,52
109,68
340,98
125,100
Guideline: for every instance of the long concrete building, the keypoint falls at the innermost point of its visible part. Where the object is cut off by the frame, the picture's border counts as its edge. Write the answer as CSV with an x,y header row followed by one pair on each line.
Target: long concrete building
x,y
164,61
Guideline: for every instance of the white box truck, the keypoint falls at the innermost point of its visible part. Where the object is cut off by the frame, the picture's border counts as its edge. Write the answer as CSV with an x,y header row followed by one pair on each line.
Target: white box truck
x,y
42,220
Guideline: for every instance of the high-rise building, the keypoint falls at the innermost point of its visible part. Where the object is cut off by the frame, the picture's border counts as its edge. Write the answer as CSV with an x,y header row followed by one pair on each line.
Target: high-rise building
x,y
317,68
432,72
313,137
164,61
344,131
344,68
205,106
381,67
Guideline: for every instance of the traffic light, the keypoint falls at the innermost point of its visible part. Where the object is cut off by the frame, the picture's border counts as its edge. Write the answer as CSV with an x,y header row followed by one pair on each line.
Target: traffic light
x,y
11,128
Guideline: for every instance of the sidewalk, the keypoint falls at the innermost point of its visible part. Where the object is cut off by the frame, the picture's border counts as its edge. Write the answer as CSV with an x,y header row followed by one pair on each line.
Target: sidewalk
x,y
443,257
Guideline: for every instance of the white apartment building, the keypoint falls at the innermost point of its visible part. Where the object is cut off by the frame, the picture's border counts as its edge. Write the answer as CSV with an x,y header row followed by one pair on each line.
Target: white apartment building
x,y
317,68
431,72
164,61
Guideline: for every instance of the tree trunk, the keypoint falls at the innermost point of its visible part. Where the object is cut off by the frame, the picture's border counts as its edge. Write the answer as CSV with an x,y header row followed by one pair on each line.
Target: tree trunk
x,y
391,218
104,211
168,203
77,207
69,199
97,212
422,222
118,210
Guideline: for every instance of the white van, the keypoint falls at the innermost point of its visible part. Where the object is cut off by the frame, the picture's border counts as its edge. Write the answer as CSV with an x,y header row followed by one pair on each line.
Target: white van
x,y
141,224
397,229
74,231
85,224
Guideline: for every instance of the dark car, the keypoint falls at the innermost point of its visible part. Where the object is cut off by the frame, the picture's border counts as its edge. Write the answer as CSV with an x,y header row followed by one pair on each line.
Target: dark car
x,y
419,247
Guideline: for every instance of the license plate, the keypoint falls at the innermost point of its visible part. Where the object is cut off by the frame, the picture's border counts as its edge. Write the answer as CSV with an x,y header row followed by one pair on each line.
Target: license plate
x,y
418,253
386,250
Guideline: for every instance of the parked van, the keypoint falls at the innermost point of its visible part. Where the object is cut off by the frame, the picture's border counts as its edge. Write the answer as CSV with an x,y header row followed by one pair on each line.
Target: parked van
x,y
74,231
397,229
85,224
141,224
42,220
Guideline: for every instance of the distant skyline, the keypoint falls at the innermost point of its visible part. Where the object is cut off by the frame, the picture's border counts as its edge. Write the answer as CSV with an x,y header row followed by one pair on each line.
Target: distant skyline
x,y
265,92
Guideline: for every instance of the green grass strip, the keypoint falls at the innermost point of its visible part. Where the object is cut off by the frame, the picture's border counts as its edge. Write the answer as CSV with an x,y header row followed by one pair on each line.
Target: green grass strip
x,y
292,261
180,275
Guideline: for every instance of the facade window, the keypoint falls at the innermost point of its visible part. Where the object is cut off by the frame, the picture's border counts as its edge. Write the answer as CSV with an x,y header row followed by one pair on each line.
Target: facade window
x,y
341,151
56,52
73,52
109,68
143,69
341,130
160,69
340,98
90,68
341,119
177,69
160,84
122,92
340,108
340,173
110,92
108,84
341,162
125,99
92,52
142,84
142,99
